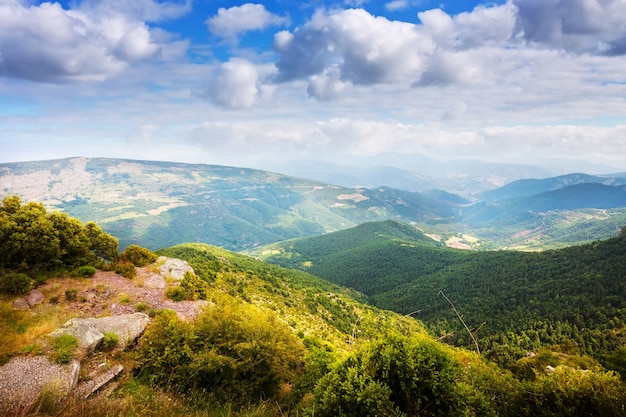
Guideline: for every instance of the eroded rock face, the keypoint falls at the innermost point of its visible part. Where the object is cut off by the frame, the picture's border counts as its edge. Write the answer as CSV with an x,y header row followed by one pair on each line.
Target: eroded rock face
x,y
173,268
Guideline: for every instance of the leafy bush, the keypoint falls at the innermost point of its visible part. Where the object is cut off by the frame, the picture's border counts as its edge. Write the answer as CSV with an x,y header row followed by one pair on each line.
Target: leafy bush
x,y
191,287
126,269
138,256
87,271
235,351
393,376
14,283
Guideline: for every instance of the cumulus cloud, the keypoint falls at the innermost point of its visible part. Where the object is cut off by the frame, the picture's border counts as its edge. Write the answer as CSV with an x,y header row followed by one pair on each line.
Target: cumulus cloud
x,y
229,23
365,49
594,26
51,44
237,84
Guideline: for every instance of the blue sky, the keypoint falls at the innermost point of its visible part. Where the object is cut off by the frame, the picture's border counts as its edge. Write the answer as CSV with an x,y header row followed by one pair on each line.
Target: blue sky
x,y
254,84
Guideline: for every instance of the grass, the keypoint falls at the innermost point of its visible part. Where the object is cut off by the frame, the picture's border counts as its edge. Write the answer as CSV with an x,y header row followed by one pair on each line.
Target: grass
x,y
20,330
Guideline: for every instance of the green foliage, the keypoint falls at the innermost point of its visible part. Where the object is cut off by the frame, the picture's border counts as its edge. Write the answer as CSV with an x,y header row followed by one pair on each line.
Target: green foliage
x,y
31,239
138,256
70,294
110,341
86,271
234,351
571,392
395,376
15,283
64,346
126,269
191,287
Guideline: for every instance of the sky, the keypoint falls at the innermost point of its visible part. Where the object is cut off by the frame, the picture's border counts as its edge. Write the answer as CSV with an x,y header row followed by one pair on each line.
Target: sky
x,y
253,84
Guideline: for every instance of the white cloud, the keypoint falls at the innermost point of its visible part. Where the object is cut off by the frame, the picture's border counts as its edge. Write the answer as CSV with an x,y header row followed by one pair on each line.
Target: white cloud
x,y
236,85
51,44
229,23
139,10
365,49
397,5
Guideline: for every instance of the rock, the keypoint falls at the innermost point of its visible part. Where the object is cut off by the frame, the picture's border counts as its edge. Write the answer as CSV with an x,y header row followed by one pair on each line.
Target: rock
x,y
174,268
128,327
21,304
154,281
89,337
87,388
35,297
25,378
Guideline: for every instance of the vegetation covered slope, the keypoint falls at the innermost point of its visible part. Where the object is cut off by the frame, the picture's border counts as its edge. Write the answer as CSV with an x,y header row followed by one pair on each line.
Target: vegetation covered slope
x,y
276,342
574,297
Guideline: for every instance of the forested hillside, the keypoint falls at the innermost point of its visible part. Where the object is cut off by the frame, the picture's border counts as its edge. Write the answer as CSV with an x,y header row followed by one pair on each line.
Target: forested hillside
x,y
273,342
574,297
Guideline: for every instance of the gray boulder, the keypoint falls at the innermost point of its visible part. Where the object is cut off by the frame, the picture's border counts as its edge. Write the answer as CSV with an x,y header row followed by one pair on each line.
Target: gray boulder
x,y
128,327
173,268
89,337
154,281
35,297
21,304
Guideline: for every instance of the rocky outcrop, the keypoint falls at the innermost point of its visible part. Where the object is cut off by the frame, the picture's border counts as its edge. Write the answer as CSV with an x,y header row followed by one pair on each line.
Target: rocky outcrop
x,y
155,281
35,297
93,385
173,268
89,337
25,380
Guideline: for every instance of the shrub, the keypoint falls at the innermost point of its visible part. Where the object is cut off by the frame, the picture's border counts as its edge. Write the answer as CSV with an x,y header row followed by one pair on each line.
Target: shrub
x,y
14,283
191,287
126,269
87,271
141,306
70,294
110,341
138,256
234,351
393,376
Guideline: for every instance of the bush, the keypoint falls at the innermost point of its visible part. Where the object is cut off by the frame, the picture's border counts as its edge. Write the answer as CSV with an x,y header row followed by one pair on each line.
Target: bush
x,y
138,256
126,269
393,376
234,351
191,287
70,294
87,271
14,283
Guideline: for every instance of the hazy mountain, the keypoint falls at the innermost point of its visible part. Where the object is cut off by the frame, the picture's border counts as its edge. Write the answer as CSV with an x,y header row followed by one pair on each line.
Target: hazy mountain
x,y
159,204
528,187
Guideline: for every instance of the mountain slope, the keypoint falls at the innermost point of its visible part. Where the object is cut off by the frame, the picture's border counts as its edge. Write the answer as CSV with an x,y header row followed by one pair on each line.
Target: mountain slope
x,y
160,204
521,301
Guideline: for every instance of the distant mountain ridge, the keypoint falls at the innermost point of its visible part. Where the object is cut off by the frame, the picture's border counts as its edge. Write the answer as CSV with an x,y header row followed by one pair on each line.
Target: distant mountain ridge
x,y
161,204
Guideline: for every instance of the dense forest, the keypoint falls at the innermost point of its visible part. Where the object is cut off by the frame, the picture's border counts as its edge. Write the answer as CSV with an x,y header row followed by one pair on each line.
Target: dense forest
x,y
573,299
276,342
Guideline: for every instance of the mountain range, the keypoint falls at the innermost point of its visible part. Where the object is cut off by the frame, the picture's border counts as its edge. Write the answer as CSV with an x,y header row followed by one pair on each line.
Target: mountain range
x,y
161,204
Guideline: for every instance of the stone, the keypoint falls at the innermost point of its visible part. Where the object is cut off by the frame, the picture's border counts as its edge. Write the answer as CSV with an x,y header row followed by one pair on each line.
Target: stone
x,y
35,297
87,388
173,268
155,281
128,327
21,304
25,378
89,337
